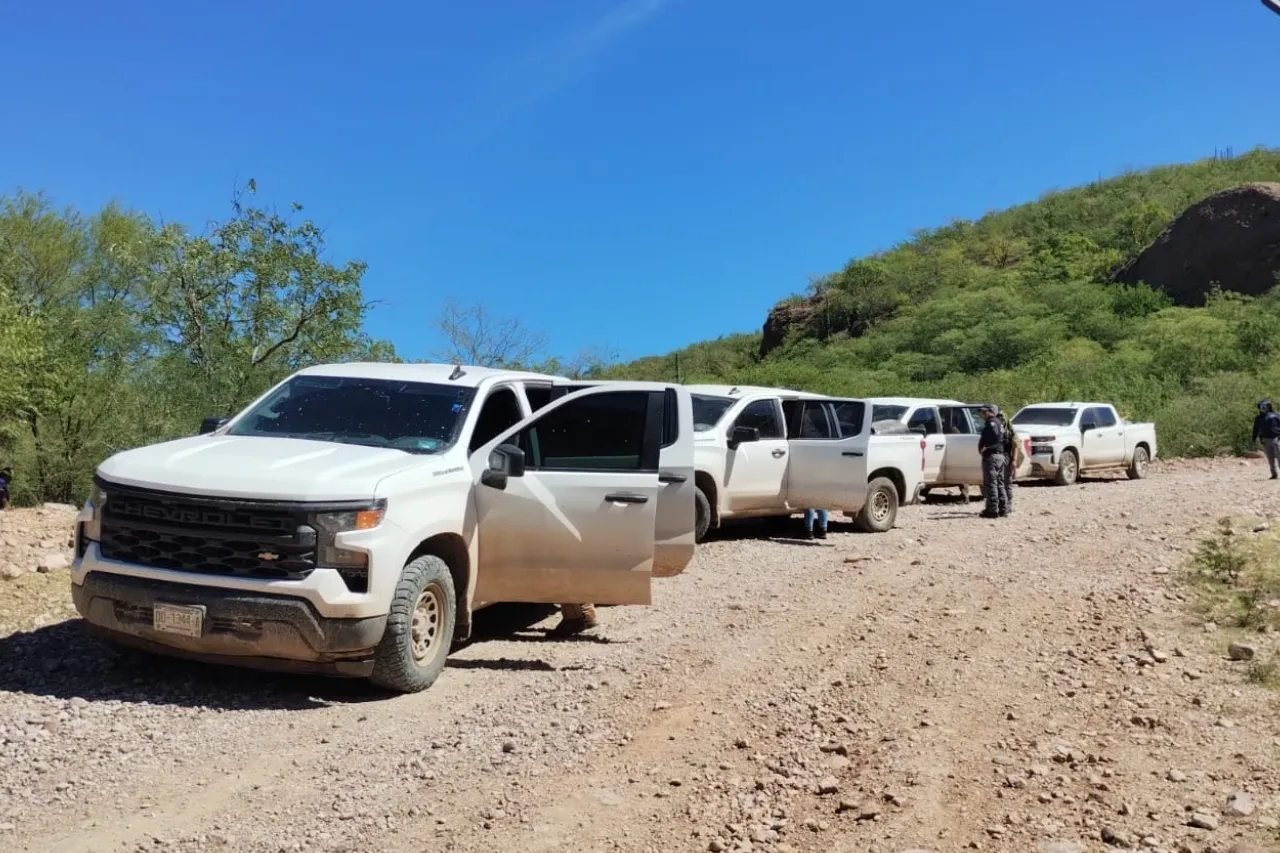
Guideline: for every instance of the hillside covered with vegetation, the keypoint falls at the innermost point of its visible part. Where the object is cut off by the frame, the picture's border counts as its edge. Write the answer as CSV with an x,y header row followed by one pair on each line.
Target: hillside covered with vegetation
x,y
117,330
1020,306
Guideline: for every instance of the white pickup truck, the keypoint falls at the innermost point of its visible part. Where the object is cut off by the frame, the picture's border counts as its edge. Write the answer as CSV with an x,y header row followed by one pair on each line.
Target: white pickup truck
x,y
1068,439
762,452
350,520
950,430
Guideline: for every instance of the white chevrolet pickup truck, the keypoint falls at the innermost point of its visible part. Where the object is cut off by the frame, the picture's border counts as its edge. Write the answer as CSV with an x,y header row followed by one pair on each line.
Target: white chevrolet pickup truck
x,y
350,520
950,430
1068,439
761,452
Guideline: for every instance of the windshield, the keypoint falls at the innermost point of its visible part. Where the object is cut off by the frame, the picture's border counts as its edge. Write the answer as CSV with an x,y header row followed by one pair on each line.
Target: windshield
x,y
416,417
707,411
884,412
1045,416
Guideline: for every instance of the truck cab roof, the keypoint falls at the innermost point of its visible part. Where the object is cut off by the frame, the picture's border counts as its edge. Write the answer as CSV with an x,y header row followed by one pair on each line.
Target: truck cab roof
x,y
445,374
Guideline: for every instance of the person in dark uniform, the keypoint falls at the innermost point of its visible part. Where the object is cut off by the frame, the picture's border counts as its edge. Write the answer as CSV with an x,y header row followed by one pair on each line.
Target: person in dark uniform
x,y
6,477
1266,428
993,447
1011,458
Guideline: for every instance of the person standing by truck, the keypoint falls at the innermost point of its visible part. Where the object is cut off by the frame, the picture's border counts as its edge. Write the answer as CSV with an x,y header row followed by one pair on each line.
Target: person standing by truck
x,y
809,516
1266,428
991,444
1012,458
574,619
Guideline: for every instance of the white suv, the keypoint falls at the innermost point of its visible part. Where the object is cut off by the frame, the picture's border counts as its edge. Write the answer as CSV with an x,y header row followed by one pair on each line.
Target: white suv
x,y
351,519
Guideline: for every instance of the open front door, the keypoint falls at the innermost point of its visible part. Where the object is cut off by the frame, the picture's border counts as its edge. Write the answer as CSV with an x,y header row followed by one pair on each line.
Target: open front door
x,y
566,501
674,534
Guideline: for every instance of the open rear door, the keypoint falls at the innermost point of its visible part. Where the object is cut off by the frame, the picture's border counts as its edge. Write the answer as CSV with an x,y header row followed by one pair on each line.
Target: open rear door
x,y
829,441
566,501
674,531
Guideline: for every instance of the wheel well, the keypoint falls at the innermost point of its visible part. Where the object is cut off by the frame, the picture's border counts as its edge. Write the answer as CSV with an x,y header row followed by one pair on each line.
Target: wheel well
x,y
894,476
452,548
1074,450
1145,447
703,481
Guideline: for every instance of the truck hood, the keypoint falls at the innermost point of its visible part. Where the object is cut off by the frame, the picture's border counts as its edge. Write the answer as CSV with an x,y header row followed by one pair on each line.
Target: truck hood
x,y
255,467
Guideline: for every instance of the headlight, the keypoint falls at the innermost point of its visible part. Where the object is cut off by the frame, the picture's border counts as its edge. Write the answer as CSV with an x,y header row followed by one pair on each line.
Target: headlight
x,y
329,524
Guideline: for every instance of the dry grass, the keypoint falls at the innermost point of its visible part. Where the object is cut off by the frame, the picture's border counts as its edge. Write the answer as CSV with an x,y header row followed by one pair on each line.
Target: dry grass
x,y
1234,575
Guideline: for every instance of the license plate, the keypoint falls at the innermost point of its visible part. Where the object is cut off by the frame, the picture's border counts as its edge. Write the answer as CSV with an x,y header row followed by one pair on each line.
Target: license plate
x,y
178,619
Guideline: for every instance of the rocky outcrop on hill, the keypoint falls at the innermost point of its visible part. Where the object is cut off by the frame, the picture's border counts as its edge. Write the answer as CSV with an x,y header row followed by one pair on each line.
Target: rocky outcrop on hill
x,y
785,316
1231,238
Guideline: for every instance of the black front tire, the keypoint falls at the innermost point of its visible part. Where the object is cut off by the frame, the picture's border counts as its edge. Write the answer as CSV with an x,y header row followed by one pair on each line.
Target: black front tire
x,y
880,509
420,628
702,515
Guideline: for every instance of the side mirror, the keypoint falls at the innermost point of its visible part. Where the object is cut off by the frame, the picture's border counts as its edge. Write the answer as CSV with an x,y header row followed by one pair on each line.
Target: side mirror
x,y
742,434
211,424
1088,425
505,461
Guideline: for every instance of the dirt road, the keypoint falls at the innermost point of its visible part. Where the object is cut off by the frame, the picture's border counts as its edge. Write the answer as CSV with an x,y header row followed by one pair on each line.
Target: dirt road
x,y
1031,684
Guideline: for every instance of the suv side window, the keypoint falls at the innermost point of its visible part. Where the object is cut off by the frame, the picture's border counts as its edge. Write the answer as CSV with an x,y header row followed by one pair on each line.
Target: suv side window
x,y
500,411
603,432
927,417
1103,416
763,415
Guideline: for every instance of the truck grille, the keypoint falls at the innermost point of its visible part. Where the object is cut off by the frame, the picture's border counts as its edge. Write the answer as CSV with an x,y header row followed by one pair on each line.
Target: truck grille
x,y
207,535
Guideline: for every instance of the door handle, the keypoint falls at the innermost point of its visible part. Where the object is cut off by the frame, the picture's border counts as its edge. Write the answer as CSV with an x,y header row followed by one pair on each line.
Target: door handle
x,y
627,498
853,453
778,454
671,477
939,446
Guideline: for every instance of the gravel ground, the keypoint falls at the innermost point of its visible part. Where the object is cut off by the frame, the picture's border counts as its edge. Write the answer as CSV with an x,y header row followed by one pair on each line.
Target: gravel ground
x,y
1029,684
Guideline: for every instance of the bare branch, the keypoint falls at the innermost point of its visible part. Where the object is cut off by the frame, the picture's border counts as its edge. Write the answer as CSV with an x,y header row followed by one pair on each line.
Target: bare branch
x,y
473,336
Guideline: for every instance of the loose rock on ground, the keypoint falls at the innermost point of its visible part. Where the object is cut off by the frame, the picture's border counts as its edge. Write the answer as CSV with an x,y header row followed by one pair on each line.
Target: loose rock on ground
x,y
1035,683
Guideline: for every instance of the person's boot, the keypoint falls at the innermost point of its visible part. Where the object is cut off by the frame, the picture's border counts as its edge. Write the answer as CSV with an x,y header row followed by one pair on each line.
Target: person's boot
x,y
575,619
821,533
808,533
988,513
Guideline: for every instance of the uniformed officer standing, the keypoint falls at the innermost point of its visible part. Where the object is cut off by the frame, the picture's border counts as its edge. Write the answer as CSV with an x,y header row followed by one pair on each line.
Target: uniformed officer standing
x,y
991,444
1012,457
1266,427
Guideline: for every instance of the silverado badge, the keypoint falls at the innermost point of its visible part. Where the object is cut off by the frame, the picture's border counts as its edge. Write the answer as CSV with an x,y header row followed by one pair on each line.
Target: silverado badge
x,y
268,556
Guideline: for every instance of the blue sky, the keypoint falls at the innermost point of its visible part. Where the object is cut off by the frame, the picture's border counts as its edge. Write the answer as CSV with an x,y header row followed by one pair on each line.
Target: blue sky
x,y
628,174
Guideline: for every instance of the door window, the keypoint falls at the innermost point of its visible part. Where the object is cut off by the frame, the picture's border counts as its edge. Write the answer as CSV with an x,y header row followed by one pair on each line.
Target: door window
x,y
603,432
500,411
848,416
537,395
1104,417
670,417
926,418
763,415
814,422
958,420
